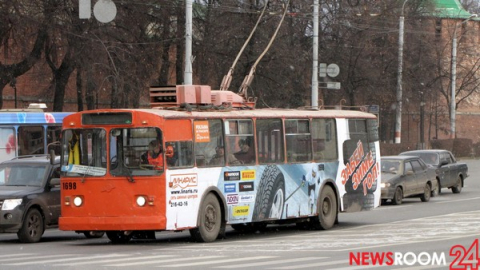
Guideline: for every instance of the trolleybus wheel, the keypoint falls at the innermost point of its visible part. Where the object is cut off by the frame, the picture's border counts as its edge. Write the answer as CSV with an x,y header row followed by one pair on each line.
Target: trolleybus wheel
x,y
270,198
94,234
210,220
119,237
327,209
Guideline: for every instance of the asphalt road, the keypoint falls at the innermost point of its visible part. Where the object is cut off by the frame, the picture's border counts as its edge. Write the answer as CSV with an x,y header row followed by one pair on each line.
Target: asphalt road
x,y
414,235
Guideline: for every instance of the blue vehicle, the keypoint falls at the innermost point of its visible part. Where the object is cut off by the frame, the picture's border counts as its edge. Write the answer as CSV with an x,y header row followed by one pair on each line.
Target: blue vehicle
x,y
29,132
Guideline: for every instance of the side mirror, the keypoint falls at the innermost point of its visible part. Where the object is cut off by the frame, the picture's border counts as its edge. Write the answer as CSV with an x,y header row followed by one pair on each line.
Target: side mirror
x,y
52,157
409,173
54,182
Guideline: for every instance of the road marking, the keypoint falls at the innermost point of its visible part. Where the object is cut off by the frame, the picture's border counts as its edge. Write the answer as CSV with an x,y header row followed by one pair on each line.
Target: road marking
x,y
270,262
64,260
172,260
460,200
136,258
32,258
219,261
300,266
15,255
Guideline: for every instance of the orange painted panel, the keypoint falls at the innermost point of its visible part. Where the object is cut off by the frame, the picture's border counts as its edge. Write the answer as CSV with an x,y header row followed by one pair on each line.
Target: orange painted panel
x,y
178,130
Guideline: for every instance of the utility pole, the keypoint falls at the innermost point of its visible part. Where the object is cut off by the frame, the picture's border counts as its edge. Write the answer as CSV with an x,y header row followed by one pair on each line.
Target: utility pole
x,y
315,55
188,43
398,111
454,79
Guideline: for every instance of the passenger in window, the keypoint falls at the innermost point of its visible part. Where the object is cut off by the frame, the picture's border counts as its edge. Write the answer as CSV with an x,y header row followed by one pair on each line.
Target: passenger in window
x,y
154,155
246,155
172,155
219,157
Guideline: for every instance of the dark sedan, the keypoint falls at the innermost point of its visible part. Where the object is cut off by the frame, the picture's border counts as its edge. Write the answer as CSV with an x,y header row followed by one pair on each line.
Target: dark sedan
x,y
406,176
450,173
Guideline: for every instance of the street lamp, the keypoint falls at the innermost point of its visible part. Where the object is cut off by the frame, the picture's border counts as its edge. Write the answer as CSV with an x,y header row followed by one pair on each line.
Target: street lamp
x,y
454,78
398,111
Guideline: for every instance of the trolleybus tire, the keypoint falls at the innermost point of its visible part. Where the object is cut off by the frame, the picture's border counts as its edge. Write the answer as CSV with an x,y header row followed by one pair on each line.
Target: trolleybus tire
x,y
93,234
210,220
270,199
327,209
32,228
118,237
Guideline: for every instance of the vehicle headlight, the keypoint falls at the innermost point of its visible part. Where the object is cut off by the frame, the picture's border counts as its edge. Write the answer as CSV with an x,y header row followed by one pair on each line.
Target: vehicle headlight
x,y
77,201
141,200
11,204
384,185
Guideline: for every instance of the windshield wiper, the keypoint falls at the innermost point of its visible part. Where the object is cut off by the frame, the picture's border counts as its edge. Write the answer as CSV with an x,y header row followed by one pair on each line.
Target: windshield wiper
x,y
129,174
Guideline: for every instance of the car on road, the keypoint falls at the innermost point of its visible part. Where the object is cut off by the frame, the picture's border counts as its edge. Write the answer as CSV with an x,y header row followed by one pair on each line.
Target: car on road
x,y
30,197
449,173
406,176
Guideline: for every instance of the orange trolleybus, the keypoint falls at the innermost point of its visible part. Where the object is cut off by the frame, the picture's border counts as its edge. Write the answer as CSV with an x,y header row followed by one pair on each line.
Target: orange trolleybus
x,y
136,171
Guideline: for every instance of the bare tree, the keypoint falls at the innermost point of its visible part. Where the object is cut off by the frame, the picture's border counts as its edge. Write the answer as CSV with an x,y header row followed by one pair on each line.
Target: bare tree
x,y
20,19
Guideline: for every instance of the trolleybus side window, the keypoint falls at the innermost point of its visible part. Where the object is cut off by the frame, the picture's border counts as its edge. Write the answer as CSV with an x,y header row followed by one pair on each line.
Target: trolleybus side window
x,y
298,139
240,142
270,141
84,152
179,154
136,151
30,140
53,139
8,142
324,137
358,134
209,144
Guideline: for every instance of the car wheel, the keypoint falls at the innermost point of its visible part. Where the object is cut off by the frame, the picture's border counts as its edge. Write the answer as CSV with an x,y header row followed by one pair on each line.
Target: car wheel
x,y
398,196
427,192
210,220
119,237
94,234
32,227
458,187
437,190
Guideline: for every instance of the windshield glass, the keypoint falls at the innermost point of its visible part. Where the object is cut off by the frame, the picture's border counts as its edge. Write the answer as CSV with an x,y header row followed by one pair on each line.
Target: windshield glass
x,y
84,152
22,175
136,151
429,158
390,166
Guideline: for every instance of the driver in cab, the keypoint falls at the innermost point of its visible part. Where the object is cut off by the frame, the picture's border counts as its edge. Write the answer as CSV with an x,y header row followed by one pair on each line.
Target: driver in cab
x,y
154,155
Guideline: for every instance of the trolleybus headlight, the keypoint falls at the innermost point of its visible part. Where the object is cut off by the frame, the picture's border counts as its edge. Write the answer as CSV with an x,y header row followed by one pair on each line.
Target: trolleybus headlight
x,y
141,201
77,201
